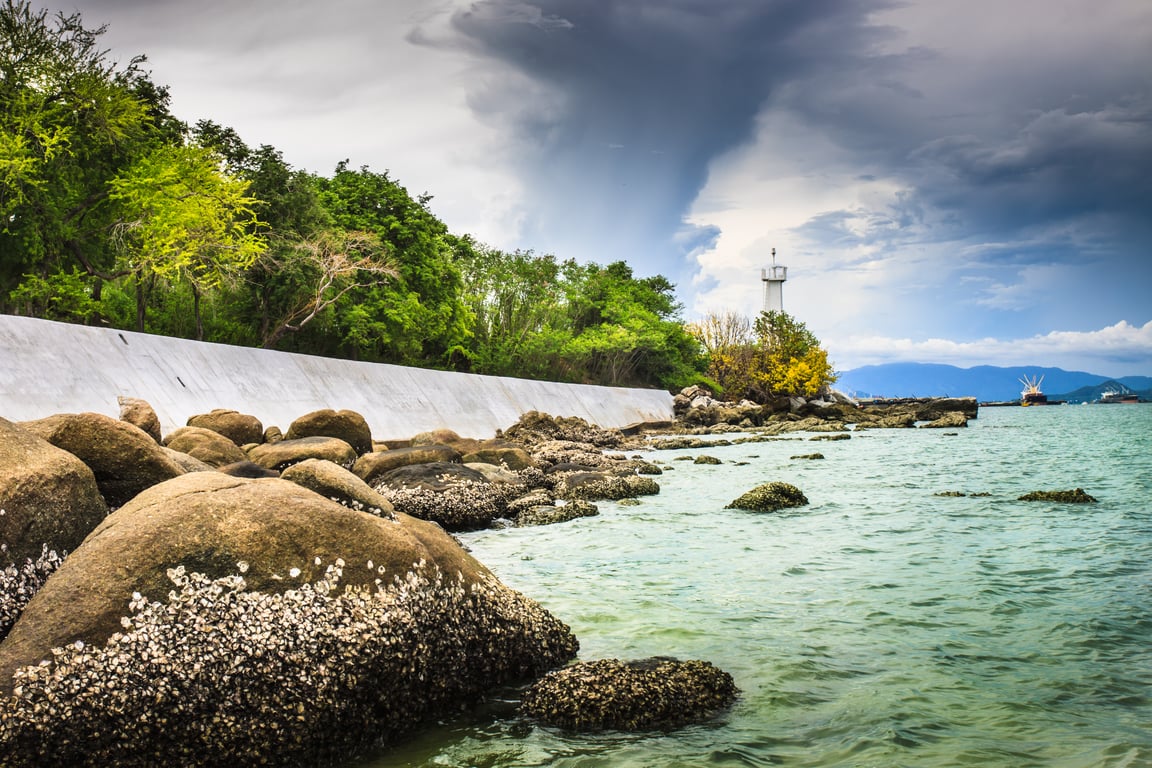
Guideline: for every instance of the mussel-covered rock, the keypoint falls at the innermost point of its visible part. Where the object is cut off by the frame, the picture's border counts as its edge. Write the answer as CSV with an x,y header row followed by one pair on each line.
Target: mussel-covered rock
x,y
549,514
647,694
228,621
1074,496
770,497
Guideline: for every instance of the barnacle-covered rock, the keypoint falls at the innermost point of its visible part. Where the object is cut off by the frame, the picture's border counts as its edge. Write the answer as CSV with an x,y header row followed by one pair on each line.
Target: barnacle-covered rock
x,y
47,495
594,486
371,466
951,419
548,514
770,497
452,495
207,445
285,453
124,459
1074,496
534,427
334,482
349,426
221,674
705,459
500,453
648,694
240,428
18,584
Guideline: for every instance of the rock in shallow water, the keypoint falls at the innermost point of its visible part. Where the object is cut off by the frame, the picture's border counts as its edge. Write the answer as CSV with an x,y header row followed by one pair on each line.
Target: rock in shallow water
x,y
1074,496
629,695
770,497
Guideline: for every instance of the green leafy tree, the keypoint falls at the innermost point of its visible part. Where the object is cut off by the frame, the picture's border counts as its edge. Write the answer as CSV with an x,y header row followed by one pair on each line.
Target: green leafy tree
x,y
182,218
419,316
790,359
69,120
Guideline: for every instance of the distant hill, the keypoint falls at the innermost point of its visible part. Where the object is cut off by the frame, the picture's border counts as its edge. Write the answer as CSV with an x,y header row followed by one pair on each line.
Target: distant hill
x,y
984,382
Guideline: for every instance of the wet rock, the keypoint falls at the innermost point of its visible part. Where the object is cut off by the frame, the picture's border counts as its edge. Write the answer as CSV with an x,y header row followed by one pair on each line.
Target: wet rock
x,y
124,459
348,426
950,494
770,497
594,486
285,453
704,459
207,445
534,428
656,693
807,456
832,438
240,428
47,496
550,514
371,466
339,484
140,413
949,420
1074,496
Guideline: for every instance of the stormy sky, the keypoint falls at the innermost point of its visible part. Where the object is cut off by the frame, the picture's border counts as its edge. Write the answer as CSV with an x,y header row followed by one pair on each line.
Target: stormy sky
x,y
957,181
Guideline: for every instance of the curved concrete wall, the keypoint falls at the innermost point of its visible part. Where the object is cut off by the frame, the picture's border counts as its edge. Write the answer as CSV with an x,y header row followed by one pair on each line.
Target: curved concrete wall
x,y
48,367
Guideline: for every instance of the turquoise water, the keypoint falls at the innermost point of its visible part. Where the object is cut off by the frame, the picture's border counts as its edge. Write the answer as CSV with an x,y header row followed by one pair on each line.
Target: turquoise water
x,y
881,625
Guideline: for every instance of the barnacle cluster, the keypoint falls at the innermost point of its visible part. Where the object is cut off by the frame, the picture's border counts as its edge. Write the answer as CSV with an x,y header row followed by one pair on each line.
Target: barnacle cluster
x,y
659,692
218,675
19,583
610,487
465,505
534,427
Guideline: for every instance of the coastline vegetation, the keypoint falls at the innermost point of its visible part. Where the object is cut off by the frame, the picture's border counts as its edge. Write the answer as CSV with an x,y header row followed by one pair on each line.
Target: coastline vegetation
x,y
114,212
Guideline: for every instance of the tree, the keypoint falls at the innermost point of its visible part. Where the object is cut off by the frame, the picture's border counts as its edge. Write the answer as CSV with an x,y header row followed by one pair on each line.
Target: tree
x,y
790,360
337,262
730,345
182,217
69,119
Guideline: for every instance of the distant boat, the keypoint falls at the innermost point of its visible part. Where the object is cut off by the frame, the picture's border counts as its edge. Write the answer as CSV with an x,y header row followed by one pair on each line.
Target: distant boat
x,y
1112,396
1031,395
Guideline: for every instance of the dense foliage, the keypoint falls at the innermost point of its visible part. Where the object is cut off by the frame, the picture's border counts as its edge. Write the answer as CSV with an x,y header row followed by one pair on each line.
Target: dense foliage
x,y
775,354
113,212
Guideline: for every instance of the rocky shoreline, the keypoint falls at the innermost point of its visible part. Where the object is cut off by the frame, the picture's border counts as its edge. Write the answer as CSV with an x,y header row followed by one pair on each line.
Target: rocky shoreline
x,y
234,593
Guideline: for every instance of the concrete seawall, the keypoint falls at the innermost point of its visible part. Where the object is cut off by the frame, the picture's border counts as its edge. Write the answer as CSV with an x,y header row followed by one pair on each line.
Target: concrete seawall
x,y
48,367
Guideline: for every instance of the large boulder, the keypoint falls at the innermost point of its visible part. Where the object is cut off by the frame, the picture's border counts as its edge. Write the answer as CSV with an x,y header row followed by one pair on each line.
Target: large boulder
x,y
124,459
140,413
451,495
371,466
345,631
647,694
207,445
333,481
349,426
285,453
47,496
240,428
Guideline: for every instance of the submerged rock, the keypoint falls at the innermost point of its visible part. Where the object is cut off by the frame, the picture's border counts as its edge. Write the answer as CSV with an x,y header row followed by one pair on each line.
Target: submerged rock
x,y
629,695
1074,496
549,514
770,497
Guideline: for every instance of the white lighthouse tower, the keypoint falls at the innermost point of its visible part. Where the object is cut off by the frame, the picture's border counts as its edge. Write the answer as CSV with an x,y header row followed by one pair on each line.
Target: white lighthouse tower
x,y
773,278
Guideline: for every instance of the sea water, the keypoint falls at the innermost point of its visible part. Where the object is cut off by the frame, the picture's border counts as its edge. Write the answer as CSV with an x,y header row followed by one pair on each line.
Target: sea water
x,y
882,624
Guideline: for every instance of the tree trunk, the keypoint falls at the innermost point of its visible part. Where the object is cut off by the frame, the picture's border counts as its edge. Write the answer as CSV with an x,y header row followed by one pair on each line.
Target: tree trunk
x,y
196,312
139,302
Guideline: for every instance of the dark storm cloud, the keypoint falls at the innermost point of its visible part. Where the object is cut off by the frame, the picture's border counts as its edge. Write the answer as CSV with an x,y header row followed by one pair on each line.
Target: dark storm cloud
x,y
632,99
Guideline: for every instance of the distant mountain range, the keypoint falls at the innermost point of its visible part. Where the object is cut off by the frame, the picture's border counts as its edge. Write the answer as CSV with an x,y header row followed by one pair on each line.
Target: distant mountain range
x,y
987,383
